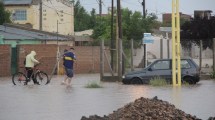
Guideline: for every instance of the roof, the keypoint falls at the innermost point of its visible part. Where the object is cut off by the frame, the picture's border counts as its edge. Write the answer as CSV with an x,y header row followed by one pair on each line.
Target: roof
x,y
17,2
12,32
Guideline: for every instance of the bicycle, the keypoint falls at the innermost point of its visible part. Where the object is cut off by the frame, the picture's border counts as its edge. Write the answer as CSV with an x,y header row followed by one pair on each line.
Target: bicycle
x,y
20,78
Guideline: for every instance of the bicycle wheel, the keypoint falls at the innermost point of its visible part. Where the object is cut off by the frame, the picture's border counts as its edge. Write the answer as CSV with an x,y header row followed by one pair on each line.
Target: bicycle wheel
x,y
19,78
41,77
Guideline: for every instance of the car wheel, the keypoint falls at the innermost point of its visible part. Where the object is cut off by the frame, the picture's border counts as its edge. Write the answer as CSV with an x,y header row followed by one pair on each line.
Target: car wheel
x,y
136,81
188,80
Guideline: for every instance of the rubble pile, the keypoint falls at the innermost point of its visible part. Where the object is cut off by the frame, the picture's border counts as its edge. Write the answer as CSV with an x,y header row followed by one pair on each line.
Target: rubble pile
x,y
146,109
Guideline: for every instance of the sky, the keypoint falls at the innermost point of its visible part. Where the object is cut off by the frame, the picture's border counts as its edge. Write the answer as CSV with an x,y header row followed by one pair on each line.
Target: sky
x,y
154,6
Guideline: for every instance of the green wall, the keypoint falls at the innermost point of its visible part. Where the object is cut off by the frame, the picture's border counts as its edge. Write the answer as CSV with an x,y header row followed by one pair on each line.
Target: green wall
x,y
13,43
1,39
14,55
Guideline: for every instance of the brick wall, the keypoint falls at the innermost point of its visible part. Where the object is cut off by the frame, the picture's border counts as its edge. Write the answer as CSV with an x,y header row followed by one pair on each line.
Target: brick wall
x,y
88,58
5,60
46,54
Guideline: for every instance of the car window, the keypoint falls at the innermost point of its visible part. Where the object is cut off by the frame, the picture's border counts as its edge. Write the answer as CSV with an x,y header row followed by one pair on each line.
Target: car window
x,y
185,64
161,65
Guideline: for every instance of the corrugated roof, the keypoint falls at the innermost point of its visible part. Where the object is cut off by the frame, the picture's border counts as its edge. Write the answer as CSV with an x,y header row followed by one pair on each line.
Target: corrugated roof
x,y
11,33
17,2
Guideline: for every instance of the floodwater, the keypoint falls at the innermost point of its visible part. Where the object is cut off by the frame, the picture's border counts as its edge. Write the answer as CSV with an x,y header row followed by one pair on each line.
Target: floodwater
x,y
56,102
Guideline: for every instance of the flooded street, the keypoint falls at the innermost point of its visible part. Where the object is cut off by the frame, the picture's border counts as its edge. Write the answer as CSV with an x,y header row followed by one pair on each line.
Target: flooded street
x,y
56,102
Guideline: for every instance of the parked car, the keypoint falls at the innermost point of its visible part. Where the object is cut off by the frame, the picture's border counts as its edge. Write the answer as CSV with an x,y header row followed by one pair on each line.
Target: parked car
x,y
162,68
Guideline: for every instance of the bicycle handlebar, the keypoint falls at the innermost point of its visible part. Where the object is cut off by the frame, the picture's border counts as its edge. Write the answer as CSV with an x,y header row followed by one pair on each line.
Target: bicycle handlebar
x,y
37,64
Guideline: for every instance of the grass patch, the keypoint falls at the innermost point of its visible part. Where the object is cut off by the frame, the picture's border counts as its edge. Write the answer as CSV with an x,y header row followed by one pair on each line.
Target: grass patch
x,y
93,85
158,81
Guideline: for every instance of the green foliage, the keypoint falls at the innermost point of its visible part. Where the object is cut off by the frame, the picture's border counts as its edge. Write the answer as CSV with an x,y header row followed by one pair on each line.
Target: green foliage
x,y
4,15
198,29
212,75
133,26
93,85
158,81
83,20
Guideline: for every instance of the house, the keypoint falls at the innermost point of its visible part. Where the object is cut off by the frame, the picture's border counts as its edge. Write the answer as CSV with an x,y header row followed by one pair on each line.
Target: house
x,y
202,14
83,38
18,35
57,15
15,34
167,17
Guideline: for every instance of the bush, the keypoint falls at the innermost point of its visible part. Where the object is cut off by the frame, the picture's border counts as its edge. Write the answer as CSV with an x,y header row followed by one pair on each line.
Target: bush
x,y
158,81
93,85
212,75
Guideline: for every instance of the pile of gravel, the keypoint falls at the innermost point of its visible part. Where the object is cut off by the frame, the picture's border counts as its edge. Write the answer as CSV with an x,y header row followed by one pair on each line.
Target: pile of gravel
x,y
146,109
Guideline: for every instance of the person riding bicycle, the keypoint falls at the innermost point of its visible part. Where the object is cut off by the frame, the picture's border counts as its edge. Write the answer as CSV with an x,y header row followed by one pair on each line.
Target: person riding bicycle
x,y
29,65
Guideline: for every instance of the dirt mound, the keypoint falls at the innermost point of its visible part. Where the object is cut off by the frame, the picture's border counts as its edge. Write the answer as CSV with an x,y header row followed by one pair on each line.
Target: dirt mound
x,y
146,109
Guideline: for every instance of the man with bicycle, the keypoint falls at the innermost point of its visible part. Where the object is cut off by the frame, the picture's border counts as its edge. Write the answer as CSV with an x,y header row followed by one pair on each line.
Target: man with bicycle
x,y
29,65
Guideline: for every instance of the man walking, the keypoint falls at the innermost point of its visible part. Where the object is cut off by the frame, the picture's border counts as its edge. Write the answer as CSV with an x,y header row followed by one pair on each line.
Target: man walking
x,y
69,59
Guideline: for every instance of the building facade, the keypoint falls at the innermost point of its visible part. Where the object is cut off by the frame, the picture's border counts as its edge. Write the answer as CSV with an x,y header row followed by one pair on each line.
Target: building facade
x,y
167,17
57,15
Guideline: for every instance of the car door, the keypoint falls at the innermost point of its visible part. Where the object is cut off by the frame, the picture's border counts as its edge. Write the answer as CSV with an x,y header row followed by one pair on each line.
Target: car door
x,y
159,69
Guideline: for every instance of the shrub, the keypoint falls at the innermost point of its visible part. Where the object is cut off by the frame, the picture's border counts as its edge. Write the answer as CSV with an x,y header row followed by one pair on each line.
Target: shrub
x,y
158,81
93,85
212,75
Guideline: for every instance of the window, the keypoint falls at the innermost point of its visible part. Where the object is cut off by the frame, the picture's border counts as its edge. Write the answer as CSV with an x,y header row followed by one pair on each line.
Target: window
x,y
160,65
21,15
184,64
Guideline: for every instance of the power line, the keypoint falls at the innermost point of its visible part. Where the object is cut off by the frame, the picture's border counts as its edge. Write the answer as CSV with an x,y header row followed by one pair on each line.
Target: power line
x,y
58,10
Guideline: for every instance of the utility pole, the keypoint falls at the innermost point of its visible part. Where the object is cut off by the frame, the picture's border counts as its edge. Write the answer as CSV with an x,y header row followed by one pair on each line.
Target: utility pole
x,y
100,8
176,52
112,41
41,16
120,40
144,45
144,8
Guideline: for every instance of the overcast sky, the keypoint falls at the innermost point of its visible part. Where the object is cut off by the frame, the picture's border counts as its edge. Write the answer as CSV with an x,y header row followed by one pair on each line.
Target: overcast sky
x,y
154,6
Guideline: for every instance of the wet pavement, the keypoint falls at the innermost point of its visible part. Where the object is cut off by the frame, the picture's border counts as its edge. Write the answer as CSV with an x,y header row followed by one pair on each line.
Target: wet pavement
x,y
56,102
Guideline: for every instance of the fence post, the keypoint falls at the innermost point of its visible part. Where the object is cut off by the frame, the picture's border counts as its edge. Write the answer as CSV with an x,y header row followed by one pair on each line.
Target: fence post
x,y
214,54
101,59
200,55
132,54
161,48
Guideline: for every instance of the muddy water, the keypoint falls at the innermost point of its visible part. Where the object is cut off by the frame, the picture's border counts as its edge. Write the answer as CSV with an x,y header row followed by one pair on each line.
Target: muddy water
x,y
56,102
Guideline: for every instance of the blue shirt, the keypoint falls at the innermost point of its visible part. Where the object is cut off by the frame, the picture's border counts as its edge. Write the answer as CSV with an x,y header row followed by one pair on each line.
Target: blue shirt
x,y
69,58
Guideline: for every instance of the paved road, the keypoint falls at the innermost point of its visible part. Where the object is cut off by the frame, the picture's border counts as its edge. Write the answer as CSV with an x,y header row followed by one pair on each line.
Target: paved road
x,y
56,102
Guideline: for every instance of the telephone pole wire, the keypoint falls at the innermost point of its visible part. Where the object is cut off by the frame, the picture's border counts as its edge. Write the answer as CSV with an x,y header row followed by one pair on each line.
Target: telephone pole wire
x,y
40,18
112,41
120,39
144,45
100,8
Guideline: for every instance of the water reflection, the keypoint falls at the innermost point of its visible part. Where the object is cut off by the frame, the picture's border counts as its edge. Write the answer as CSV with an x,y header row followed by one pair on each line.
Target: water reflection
x,y
176,96
57,102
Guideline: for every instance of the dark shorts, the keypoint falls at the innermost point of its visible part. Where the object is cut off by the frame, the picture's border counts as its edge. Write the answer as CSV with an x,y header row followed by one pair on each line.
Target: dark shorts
x,y
69,72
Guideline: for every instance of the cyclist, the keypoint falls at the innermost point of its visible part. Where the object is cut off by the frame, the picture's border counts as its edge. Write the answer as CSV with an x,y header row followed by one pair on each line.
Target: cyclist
x,y
29,65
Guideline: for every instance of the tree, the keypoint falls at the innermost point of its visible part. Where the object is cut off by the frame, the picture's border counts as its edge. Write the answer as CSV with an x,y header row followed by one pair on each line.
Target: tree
x,y
198,29
81,17
133,25
4,15
92,18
